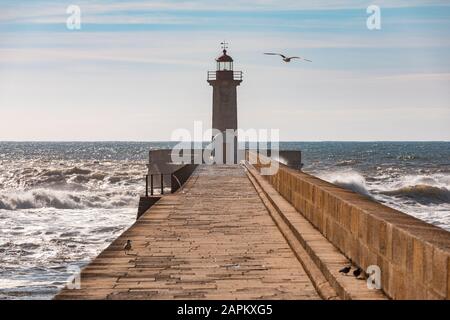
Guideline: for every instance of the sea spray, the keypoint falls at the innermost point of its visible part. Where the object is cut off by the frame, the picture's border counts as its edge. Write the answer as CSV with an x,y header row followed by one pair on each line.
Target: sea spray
x,y
349,179
47,198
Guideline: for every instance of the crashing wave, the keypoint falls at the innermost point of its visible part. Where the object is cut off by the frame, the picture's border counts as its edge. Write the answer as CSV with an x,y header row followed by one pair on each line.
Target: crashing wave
x,y
433,189
422,193
61,172
75,178
45,198
349,180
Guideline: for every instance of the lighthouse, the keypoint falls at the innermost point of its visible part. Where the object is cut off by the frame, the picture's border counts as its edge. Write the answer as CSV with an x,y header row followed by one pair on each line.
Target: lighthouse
x,y
224,102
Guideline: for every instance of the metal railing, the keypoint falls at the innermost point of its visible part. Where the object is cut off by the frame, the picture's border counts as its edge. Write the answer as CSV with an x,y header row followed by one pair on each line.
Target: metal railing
x,y
211,75
236,75
152,186
177,179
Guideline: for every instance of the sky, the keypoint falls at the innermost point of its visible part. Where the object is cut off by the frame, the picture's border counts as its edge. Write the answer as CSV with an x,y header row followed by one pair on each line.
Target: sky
x,y
136,70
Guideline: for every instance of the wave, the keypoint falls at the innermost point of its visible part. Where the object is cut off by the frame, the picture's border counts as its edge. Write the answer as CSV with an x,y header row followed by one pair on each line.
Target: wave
x,y
46,198
349,180
75,178
344,163
423,189
422,193
60,172
434,180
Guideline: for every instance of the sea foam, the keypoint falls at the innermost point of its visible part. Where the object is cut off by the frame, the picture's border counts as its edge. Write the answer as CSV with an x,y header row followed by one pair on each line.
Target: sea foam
x,y
351,180
422,189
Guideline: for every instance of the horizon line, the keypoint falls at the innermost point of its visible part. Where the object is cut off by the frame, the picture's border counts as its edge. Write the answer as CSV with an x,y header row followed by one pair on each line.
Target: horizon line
x,y
207,141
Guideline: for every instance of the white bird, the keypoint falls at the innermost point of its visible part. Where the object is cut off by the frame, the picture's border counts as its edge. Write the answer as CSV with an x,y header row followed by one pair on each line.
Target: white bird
x,y
286,59
127,246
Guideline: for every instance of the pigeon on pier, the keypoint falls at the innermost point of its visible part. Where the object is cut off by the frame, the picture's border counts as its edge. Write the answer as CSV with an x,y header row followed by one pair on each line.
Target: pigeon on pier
x,y
286,59
127,246
357,272
345,270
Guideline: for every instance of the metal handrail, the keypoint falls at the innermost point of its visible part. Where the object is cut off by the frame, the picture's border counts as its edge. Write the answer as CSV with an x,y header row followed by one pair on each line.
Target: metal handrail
x,y
152,186
237,75
212,75
177,179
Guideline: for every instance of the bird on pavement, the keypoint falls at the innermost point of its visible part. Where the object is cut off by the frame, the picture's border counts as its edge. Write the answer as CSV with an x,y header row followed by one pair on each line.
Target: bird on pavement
x,y
345,270
285,58
357,272
127,246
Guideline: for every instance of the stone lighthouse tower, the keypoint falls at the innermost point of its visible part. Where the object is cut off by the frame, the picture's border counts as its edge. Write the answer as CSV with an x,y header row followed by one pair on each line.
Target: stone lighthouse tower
x,y
224,82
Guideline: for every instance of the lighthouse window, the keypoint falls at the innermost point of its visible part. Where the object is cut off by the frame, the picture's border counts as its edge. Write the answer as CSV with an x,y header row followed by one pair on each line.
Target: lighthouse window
x,y
225,66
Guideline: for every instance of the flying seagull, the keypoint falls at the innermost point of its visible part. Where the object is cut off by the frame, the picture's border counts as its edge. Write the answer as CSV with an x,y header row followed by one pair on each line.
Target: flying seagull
x,y
127,247
285,59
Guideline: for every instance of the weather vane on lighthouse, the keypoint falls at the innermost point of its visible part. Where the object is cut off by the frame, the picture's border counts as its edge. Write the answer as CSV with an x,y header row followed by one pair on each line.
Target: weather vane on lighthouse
x,y
224,46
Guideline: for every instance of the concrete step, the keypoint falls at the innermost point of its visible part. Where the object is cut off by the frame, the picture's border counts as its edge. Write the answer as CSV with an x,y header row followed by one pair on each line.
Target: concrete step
x,y
327,259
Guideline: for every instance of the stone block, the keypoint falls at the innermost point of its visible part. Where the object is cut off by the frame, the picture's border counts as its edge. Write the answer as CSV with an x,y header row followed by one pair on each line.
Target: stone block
x,y
362,228
373,226
382,237
388,241
317,217
364,255
399,248
418,259
428,264
399,284
414,290
354,221
448,278
345,216
383,264
372,258
330,230
353,249
409,254
440,265
319,198
390,288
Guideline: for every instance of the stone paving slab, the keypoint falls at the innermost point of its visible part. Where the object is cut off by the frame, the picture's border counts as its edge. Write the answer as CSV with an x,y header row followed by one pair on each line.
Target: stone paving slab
x,y
214,239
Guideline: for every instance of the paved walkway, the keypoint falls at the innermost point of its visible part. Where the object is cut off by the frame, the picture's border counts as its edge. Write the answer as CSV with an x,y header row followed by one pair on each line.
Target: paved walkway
x,y
212,240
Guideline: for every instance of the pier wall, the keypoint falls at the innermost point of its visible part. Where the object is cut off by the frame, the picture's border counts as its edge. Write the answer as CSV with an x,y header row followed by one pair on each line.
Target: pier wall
x,y
176,178
146,203
414,256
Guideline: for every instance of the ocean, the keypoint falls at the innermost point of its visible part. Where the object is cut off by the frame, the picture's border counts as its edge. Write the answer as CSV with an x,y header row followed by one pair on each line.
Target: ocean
x,y
62,203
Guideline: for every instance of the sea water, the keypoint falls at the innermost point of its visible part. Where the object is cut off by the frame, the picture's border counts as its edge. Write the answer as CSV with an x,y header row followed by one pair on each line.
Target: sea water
x,y
62,203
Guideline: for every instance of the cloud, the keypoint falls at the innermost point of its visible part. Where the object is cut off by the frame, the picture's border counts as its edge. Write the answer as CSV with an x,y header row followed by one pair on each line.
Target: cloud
x,y
132,11
125,74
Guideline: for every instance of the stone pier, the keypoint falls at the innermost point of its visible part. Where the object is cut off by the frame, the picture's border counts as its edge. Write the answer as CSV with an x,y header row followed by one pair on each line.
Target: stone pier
x,y
230,233
214,240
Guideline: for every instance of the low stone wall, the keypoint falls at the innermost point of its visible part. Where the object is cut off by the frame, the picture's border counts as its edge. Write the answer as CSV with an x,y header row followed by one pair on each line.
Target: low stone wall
x,y
146,203
179,177
413,255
